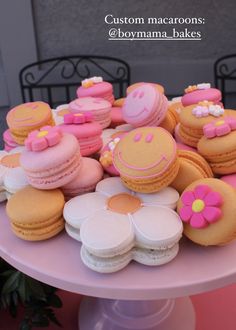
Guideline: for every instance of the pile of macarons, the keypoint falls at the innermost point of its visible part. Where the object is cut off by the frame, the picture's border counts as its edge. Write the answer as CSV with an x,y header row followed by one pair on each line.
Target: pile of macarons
x,y
127,178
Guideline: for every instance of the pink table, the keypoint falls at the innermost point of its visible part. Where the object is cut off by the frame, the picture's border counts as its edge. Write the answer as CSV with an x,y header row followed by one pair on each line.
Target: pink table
x,y
57,262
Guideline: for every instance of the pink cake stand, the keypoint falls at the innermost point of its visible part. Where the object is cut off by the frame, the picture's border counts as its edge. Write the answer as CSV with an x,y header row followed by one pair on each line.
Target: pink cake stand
x,y
138,297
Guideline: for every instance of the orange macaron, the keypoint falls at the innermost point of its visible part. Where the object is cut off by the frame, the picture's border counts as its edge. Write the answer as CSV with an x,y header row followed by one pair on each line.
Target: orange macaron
x,y
28,117
208,210
35,214
192,167
146,159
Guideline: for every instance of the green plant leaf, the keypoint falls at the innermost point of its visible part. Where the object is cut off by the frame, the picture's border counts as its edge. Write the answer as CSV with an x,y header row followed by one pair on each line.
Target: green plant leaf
x,y
55,301
51,315
36,288
11,283
25,325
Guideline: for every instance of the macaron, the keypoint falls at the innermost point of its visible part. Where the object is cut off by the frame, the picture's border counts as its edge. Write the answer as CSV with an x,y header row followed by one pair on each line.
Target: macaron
x,y
146,159
230,179
208,210
218,145
193,118
96,87
51,159
132,87
201,92
59,112
106,154
116,117
9,143
9,161
119,102
14,180
145,106
98,107
192,167
28,117
87,132
113,218
35,214
90,174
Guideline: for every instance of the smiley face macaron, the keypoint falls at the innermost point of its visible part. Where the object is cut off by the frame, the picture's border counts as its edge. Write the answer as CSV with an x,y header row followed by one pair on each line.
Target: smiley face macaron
x,y
145,106
146,159
27,117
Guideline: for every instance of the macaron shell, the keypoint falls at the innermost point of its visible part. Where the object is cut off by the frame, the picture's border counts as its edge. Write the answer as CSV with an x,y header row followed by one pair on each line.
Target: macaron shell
x,y
28,115
132,87
95,90
90,174
157,147
210,94
220,152
192,167
36,214
222,231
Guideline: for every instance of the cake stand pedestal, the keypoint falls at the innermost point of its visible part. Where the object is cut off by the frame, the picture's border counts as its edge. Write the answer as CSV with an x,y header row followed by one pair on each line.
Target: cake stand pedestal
x,y
137,297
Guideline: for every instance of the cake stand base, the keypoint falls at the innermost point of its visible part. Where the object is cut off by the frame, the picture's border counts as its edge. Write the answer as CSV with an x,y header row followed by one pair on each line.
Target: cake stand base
x,y
166,314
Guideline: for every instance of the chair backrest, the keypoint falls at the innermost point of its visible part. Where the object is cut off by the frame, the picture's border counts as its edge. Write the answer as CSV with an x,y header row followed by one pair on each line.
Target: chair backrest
x,y
225,70
55,80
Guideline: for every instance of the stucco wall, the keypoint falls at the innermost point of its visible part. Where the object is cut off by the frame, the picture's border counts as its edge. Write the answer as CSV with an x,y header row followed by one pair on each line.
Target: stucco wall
x,y
65,27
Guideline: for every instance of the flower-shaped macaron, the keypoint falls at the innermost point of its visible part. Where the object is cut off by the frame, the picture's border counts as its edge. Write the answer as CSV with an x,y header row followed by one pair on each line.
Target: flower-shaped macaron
x,y
8,161
47,136
201,206
219,127
123,212
78,118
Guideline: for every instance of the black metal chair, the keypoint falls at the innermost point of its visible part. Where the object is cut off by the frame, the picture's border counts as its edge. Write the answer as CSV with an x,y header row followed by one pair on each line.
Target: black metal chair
x,y
225,72
55,80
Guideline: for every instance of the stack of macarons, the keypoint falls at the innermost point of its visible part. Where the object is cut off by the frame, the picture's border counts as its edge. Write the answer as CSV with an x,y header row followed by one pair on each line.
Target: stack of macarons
x,y
96,87
194,117
51,159
87,132
201,92
99,108
28,117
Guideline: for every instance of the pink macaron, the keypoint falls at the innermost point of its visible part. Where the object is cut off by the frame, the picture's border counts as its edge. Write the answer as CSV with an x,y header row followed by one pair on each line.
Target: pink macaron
x,y
230,179
145,106
51,159
106,155
90,174
116,117
98,107
87,132
201,92
96,87
9,143
182,146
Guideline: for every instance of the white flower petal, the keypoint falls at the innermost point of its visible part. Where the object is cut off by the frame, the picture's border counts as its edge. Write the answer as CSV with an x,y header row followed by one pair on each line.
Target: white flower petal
x,y
107,234
15,179
166,197
80,208
156,227
111,186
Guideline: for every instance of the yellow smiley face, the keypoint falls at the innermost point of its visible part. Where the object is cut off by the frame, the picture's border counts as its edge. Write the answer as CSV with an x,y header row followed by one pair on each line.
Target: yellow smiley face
x,y
28,114
144,151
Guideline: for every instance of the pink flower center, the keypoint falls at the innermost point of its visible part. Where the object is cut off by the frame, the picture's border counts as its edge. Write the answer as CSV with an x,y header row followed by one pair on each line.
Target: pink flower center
x,y
198,205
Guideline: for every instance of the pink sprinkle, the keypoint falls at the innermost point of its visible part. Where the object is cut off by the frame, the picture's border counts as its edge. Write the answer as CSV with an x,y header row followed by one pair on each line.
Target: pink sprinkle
x,y
149,138
137,137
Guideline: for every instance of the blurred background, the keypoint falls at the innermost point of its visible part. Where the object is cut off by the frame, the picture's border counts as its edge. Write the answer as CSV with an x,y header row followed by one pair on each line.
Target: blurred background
x,y
35,30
